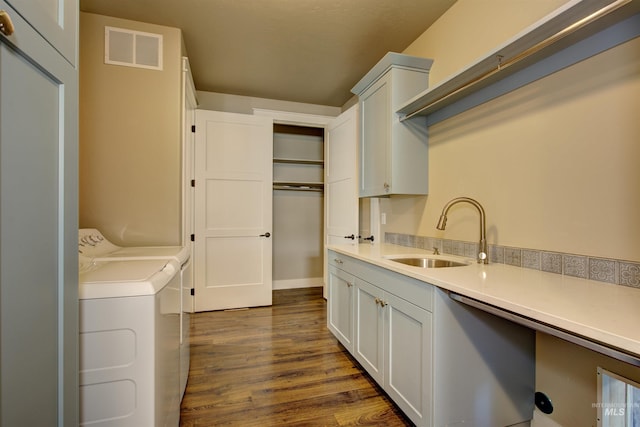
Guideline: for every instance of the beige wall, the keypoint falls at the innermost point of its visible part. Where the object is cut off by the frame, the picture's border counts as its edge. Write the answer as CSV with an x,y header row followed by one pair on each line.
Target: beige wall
x,y
129,139
552,163
567,374
555,165
471,28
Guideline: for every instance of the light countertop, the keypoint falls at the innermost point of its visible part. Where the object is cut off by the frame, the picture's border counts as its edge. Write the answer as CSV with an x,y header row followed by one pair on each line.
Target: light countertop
x,y
599,311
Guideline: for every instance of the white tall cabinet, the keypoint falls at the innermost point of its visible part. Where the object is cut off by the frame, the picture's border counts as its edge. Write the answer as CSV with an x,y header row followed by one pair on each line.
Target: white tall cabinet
x,y
38,215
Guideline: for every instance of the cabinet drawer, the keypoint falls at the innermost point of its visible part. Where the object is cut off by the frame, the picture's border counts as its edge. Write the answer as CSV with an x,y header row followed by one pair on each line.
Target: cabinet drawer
x,y
412,290
340,261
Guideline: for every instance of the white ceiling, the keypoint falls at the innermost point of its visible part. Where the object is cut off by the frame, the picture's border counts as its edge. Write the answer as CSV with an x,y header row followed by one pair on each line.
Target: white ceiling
x,y
311,51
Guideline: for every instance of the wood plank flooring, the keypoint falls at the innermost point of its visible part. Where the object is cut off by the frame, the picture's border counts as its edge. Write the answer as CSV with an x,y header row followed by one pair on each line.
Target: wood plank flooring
x,y
278,366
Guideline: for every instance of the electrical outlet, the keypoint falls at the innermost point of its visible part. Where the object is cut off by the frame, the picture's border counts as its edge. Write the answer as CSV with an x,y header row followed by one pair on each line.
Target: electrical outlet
x,y
383,218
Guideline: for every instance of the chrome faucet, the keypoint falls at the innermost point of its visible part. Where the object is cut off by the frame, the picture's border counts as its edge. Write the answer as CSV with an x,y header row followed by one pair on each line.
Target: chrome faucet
x,y
482,248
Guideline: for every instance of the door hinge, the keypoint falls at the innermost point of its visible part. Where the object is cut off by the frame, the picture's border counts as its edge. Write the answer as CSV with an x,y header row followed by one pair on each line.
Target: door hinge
x,y
193,237
193,182
193,128
193,291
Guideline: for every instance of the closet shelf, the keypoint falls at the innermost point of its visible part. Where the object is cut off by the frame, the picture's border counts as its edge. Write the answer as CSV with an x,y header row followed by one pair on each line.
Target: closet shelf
x,y
300,161
298,186
573,22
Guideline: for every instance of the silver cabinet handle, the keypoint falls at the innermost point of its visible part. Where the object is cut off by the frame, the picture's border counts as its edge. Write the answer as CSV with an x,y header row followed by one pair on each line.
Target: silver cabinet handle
x,y
338,261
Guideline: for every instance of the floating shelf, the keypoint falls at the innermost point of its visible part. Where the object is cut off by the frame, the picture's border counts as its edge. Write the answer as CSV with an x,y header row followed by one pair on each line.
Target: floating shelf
x,y
568,25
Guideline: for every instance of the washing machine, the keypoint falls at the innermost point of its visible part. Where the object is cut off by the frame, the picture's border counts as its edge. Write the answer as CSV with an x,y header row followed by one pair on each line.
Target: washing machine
x,y
93,244
129,342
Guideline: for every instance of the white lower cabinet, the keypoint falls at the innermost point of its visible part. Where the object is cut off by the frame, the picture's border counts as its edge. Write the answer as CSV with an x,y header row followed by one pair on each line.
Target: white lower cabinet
x,y
389,336
369,329
340,312
393,343
441,362
407,337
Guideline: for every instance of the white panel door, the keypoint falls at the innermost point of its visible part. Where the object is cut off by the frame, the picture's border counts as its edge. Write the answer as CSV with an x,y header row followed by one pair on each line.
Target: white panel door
x,y
341,180
39,229
233,203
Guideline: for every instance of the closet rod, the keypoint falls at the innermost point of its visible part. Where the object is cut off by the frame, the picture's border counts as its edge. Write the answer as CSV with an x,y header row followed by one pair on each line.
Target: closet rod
x,y
503,64
298,188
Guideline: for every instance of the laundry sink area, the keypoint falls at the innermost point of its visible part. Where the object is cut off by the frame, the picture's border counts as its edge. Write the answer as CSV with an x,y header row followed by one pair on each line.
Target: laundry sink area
x,y
413,338
428,261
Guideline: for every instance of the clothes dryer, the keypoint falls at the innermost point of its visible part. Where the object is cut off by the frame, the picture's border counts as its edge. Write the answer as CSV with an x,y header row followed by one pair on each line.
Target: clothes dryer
x,y
93,244
129,342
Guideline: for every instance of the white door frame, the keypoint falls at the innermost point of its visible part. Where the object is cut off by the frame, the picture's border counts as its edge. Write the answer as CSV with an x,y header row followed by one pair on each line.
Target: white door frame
x,y
306,120
295,119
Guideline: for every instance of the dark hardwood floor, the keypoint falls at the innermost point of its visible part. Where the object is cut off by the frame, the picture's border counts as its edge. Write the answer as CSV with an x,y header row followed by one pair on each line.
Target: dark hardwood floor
x,y
278,366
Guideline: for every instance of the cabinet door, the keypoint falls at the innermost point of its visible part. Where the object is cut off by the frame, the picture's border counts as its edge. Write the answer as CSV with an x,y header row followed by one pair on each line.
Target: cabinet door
x,y
56,20
369,329
341,179
39,229
375,104
340,306
408,358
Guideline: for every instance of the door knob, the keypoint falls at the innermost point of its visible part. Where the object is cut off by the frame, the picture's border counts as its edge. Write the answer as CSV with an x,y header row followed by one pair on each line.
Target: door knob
x,y
267,234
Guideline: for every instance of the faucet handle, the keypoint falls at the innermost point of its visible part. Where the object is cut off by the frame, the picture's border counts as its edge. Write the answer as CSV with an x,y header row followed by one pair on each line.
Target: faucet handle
x,y
436,251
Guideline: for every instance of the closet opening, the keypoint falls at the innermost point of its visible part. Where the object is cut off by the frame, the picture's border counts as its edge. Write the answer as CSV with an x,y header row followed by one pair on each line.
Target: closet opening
x,y
298,206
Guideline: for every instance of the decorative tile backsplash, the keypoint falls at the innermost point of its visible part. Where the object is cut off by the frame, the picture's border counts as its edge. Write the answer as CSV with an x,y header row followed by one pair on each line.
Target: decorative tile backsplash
x,y
601,269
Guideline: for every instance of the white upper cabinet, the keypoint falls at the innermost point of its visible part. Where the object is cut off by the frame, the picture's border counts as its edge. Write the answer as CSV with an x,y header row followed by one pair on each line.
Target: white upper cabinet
x,y
393,154
55,20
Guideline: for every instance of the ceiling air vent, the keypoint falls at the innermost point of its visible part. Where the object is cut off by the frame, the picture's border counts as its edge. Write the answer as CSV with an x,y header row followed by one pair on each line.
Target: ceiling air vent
x,y
132,48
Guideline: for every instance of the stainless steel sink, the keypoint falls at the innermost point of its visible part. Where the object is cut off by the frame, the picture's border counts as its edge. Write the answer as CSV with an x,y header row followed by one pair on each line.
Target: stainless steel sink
x,y
425,262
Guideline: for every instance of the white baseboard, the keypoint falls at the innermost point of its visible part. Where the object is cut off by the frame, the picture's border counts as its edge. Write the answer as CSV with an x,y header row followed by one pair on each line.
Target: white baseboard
x,y
308,282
